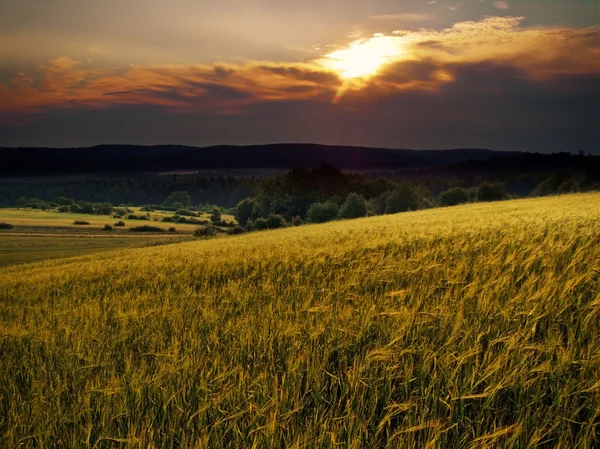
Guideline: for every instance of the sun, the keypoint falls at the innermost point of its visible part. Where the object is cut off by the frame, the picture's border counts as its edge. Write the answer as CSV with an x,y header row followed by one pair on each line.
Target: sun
x,y
364,57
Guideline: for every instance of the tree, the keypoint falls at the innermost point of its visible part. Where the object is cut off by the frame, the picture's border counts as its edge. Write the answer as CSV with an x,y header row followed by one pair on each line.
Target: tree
x,y
322,212
491,192
353,207
454,196
183,198
216,215
402,199
243,211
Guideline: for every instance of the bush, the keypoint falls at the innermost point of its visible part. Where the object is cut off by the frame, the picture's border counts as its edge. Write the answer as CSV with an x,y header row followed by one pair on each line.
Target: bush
x,y
81,222
452,197
236,230
147,208
74,208
322,212
206,231
121,211
296,221
63,201
63,209
107,227
376,206
172,229
216,215
182,220
260,224
119,224
275,221
402,199
103,208
186,212
146,228
168,220
353,207
85,207
491,192
132,217
6,226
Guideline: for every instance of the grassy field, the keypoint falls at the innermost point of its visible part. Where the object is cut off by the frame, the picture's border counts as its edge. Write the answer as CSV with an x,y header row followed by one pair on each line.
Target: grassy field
x,y
38,221
23,248
468,327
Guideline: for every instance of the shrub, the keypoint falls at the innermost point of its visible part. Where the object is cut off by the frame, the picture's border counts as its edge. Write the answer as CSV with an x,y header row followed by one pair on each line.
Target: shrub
x,y
119,224
376,206
168,220
452,197
353,207
322,212
172,229
63,209
120,211
275,221
260,224
81,222
236,230
146,228
296,221
216,215
491,192
186,212
147,208
107,227
63,201
182,220
132,217
103,208
85,207
402,199
74,208
6,225
206,231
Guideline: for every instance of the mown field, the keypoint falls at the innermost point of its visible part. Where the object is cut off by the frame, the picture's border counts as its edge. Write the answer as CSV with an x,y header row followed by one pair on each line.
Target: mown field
x,y
469,327
17,248
38,221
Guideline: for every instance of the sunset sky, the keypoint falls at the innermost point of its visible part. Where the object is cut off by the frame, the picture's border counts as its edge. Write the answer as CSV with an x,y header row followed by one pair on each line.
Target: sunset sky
x,y
506,75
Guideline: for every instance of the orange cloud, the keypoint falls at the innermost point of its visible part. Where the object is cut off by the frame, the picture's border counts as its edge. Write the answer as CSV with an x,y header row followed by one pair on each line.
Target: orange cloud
x,y
425,60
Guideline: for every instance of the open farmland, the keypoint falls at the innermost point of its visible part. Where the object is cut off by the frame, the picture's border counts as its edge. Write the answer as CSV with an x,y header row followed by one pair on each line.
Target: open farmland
x,y
471,326
27,220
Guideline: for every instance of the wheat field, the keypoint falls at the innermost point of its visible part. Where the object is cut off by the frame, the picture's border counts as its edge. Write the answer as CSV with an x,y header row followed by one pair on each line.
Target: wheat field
x,y
474,326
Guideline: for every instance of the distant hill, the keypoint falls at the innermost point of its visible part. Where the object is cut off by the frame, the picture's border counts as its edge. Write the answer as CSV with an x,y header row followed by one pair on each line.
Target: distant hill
x,y
132,158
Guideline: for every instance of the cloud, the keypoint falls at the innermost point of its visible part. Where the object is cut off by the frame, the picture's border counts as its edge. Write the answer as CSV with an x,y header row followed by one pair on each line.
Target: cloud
x,y
501,4
402,17
428,62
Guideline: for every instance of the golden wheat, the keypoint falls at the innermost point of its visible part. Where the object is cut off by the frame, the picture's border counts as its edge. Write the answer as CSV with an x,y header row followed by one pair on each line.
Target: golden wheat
x,y
474,326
